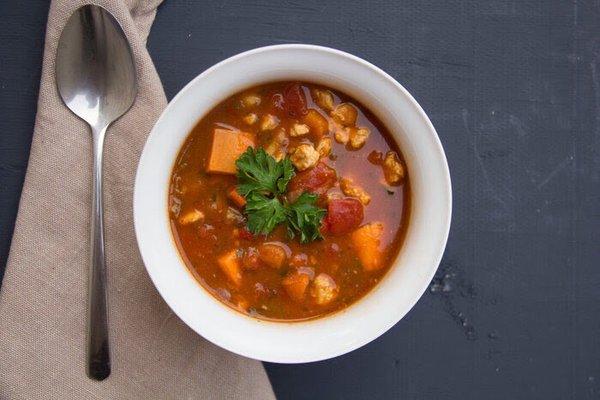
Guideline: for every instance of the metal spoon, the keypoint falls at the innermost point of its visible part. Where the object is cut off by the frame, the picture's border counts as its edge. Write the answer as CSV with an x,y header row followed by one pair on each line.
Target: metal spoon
x,y
95,75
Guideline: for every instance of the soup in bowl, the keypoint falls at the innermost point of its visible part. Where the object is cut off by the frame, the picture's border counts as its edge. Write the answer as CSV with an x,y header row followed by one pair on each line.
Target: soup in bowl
x,y
292,203
289,201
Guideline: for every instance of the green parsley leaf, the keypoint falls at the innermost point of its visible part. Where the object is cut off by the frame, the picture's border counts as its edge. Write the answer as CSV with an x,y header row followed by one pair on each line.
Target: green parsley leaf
x,y
304,217
258,172
263,182
264,213
288,174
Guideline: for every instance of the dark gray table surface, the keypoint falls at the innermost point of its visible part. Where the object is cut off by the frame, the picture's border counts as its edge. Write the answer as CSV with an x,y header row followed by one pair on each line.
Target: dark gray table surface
x,y
513,88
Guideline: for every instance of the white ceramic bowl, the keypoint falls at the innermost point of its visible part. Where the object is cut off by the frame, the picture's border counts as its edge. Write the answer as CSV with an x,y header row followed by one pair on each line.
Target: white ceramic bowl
x,y
402,286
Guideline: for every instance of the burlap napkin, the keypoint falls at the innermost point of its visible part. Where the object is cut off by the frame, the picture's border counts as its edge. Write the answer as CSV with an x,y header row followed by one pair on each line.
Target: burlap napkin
x,y
43,297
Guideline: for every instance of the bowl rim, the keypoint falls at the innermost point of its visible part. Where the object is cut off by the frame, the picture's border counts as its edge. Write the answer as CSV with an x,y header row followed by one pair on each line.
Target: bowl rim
x,y
444,225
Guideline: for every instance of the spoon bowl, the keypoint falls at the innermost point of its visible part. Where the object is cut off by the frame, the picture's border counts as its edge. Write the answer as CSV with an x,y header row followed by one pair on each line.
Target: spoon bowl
x,y
96,79
95,69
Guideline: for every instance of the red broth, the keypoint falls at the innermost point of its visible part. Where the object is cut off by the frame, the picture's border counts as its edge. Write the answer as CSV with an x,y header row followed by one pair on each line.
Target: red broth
x,y
360,181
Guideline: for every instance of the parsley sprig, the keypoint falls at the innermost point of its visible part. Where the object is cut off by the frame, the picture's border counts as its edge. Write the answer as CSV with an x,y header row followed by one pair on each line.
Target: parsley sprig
x,y
258,172
263,182
305,218
264,213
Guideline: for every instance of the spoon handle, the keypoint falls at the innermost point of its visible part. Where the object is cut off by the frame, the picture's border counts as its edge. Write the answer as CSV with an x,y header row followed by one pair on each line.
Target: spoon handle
x,y
98,354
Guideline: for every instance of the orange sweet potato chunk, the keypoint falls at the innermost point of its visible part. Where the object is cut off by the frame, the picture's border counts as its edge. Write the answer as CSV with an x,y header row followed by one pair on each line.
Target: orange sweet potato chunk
x,y
230,265
318,124
272,254
226,147
366,241
295,285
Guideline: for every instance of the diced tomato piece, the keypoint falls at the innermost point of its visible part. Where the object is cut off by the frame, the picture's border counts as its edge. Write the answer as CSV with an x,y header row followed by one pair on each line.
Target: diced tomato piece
x,y
294,101
246,234
315,180
324,229
344,215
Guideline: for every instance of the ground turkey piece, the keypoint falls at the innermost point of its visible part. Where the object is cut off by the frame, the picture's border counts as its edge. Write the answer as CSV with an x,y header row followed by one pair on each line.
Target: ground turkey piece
x,y
304,157
324,289
268,122
392,168
275,145
342,135
299,130
251,100
250,119
345,114
353,190
358,137
323,98
324,147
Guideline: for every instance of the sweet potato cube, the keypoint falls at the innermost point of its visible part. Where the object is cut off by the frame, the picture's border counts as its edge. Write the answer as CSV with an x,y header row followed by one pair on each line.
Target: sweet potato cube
x,y
318,124
230,265
272,254
295,285
226,147
366,241
190,217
